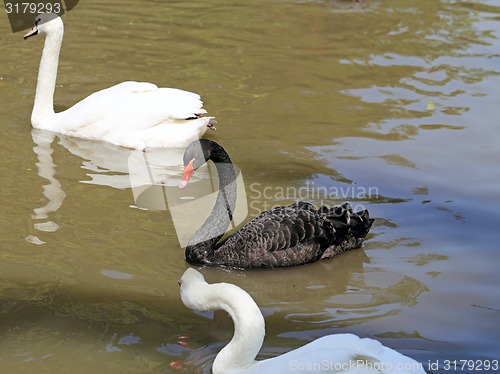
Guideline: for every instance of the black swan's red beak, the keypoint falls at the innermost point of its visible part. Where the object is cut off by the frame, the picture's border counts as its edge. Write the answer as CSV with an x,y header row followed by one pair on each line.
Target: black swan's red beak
x,y
187,174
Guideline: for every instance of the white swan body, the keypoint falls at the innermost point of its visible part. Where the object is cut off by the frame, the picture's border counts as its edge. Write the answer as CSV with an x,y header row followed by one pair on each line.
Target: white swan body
x,y
130,114
341,353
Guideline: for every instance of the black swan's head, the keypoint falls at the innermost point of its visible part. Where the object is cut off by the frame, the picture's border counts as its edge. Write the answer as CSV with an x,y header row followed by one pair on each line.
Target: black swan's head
x,y
199,152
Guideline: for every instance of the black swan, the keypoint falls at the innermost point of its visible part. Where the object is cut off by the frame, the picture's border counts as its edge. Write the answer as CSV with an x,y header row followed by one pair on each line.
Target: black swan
x,y
289,235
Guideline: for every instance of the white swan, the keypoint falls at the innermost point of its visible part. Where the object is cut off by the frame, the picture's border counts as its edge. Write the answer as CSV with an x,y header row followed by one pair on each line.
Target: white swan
x,y
135,115
341,353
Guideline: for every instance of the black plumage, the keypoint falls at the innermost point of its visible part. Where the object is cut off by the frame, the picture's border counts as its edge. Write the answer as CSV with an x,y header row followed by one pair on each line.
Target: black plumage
x,y
289,235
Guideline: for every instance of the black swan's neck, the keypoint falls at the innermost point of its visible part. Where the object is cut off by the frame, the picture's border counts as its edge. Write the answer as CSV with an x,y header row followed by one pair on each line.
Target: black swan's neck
x,y
202,245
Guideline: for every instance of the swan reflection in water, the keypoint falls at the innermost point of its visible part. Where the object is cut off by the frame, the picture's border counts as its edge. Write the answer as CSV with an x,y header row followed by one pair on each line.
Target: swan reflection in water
x,y
52,191
109,166
152,176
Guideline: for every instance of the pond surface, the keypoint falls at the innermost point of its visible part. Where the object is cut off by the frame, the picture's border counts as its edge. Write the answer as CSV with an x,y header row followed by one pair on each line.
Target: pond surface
x,y
392,105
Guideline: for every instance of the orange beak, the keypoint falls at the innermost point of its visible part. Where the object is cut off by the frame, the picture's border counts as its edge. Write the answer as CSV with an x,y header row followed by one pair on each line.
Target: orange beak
x,y
187,174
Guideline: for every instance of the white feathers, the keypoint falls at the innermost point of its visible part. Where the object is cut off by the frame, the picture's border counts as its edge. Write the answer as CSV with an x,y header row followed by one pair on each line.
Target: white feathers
x,y
341,353
130,114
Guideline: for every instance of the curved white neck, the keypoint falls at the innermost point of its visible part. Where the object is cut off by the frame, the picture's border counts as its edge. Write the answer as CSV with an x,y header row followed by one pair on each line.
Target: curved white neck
x,y
44,97
249,327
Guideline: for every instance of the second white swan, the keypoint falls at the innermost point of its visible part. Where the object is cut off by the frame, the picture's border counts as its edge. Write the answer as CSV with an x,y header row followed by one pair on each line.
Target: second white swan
x,y
340,353
135,115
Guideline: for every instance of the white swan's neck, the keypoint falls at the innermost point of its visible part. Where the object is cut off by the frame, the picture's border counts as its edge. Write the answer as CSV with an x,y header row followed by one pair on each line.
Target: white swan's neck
x,y
249,326
43,109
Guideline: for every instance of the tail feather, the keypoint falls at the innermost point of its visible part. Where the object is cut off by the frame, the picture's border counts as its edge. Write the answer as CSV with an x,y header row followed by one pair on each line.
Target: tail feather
x,y
350,227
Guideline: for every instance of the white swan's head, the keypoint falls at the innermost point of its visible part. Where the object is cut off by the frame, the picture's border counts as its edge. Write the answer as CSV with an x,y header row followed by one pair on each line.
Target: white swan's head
x,y
46,23
249,323
192,284
190,277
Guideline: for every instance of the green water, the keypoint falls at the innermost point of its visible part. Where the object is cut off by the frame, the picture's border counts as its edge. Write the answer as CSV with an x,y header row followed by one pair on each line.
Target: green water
x,y
328,96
